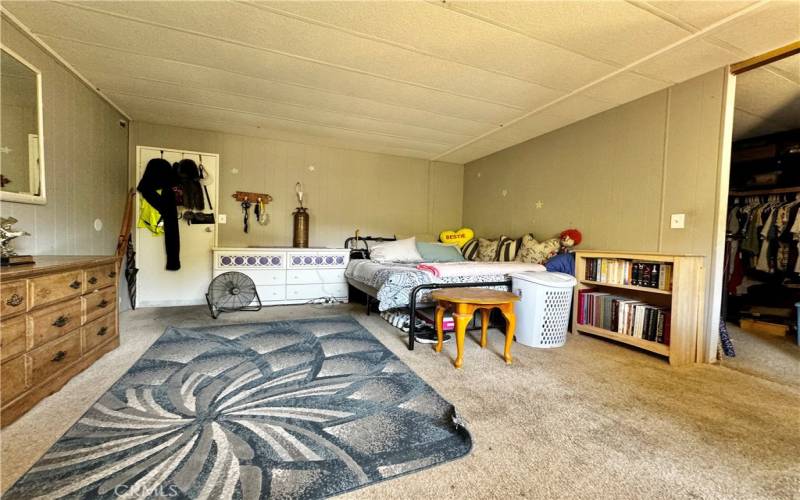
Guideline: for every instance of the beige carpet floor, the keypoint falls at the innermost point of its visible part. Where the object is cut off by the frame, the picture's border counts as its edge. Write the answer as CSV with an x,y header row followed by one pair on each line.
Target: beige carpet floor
x,y
590,420
763,355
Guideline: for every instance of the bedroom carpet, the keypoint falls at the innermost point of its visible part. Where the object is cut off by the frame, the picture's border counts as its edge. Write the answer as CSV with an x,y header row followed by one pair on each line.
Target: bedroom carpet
x,y
590,420
287,409
766,356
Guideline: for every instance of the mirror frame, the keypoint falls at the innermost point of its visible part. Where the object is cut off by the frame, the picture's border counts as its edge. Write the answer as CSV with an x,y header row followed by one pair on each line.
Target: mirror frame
x,y
41,199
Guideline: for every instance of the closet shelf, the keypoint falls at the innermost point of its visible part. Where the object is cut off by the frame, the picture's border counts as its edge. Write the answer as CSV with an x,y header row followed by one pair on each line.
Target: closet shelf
x,y
765,192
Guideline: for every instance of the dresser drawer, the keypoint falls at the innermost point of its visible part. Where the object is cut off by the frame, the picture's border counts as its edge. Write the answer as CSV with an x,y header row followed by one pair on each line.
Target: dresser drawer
x,y
98,277
54,356
12,336
261,277
54,321
98,303
51,288
309,276
14,380
98,331
271,293
308,292
13,296
308,260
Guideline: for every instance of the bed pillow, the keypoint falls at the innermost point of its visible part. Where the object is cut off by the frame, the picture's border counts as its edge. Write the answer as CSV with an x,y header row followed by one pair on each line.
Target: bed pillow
x,y
396,251
487,249
534,252
508,250
470,249
439,252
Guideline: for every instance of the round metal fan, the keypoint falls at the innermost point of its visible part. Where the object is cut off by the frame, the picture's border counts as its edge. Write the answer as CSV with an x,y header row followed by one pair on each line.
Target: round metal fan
x,y
230,292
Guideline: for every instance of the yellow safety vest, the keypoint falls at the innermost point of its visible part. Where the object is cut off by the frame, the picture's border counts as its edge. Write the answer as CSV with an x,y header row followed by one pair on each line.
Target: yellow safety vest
x,y
149,217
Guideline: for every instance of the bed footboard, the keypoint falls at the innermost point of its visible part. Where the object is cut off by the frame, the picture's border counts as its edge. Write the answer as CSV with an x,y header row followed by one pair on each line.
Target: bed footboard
x,y
412,300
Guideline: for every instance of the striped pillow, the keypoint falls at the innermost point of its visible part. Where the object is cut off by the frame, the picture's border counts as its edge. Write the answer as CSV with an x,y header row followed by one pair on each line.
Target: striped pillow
x,y
508,250
470,249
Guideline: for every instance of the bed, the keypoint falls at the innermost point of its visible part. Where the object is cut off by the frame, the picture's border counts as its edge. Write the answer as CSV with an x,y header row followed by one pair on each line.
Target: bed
x,y
401,285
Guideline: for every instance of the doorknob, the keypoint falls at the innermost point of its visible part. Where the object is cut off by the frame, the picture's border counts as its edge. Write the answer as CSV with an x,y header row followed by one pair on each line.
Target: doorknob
x,y
208,230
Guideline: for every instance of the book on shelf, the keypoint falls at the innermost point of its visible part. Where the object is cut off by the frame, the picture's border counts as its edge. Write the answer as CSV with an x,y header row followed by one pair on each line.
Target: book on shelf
x,y
623,315
645,274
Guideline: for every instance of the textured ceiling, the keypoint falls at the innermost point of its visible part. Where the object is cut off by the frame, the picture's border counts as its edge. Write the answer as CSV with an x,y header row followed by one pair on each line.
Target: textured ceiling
x,y
446,80
768,99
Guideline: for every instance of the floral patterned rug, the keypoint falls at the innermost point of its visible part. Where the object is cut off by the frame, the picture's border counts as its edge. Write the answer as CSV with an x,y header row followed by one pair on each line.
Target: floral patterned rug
x,y
289,409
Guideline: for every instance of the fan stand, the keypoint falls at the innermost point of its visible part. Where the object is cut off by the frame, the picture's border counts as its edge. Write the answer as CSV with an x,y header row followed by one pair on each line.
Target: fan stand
x,y
215,310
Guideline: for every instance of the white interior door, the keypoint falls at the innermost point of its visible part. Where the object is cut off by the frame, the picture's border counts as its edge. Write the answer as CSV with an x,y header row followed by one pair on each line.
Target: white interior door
x,y
155,286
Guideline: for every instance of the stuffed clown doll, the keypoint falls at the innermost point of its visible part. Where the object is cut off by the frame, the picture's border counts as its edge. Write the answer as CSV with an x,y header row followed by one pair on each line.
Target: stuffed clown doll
x,y
570,238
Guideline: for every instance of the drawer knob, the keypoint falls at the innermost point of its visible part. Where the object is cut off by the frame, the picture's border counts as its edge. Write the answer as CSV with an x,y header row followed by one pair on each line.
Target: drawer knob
x,y
75,284
103,303
112,274
59,356
61,321
102,331
15,300
92,280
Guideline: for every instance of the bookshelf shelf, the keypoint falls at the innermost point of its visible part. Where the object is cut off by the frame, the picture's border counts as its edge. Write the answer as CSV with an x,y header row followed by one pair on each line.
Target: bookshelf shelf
x,y
627,287
684,302
625,339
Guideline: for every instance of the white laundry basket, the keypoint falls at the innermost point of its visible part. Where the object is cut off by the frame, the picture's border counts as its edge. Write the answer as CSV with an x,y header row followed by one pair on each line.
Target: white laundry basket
x,y
544,307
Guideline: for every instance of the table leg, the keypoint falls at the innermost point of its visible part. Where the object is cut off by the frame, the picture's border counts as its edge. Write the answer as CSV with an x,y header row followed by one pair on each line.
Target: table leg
x,y
461,320
511,322
439,327
484,325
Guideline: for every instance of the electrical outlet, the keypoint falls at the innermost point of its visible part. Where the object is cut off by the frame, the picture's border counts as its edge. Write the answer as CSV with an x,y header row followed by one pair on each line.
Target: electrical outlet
x,y
222,219
677,221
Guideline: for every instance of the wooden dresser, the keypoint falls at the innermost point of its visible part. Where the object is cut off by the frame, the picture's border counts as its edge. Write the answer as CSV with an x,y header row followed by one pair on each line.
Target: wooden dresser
x,y
57,317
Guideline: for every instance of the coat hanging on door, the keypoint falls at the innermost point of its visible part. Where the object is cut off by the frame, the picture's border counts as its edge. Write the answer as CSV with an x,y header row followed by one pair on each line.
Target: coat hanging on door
x,y
159,175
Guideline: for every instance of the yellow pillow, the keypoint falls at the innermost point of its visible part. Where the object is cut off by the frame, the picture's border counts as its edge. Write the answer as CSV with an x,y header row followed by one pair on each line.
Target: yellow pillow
x,y
458,238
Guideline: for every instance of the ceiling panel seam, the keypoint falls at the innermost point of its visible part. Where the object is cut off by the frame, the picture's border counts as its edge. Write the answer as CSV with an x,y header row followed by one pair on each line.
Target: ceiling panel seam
x,y
111,88
409,48
226,124
278,117
282,82
498,24
666,16
699,34
286,54
41,43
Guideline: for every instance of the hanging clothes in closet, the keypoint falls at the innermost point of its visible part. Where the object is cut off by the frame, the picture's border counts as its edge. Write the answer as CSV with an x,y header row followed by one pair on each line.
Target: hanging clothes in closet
x,y
765,237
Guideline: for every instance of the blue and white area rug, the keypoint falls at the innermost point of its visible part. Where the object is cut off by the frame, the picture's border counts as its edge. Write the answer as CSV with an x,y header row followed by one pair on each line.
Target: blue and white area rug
x,y
289,409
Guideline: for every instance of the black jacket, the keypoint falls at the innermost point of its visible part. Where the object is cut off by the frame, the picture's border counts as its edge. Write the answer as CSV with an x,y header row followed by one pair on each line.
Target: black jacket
x,y
160,175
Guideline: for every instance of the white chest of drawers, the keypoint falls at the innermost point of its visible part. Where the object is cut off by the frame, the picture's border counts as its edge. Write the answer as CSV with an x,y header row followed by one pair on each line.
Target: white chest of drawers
x,y
288,275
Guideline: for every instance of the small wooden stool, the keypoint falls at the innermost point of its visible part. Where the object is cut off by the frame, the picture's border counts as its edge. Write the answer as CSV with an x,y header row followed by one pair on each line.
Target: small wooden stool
x,y
464,302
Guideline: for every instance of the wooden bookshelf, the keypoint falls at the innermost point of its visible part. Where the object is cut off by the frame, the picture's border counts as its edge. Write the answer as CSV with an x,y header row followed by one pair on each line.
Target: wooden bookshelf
x,y
685,302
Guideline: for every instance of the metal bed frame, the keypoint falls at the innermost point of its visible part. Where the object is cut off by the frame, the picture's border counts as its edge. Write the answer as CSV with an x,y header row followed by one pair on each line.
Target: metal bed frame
x,y
371,293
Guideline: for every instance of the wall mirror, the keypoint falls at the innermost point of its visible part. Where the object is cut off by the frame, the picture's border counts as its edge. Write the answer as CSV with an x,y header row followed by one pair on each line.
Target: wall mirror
x,y
21,141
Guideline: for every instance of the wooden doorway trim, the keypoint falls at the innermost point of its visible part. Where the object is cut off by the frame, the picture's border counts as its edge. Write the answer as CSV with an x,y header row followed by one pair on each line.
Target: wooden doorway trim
x,y
766,58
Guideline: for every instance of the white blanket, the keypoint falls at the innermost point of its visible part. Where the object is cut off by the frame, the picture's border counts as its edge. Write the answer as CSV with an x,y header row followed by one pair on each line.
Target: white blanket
x,y
469,268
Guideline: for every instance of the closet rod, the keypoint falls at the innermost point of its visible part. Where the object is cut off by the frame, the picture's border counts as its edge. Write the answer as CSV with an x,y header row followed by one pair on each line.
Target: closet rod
x,y
764,192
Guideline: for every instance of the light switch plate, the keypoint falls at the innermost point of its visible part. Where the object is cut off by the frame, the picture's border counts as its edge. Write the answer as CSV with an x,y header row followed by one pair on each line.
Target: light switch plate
x,y
677,221
222,219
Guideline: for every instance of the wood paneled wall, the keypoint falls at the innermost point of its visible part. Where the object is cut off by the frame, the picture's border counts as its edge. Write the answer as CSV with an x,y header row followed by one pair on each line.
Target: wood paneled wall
x,y
376,193
616,176
85,162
